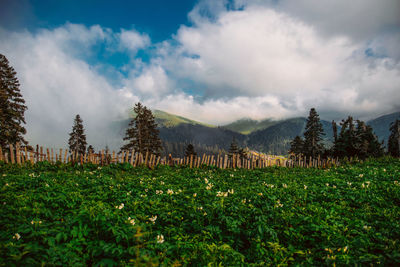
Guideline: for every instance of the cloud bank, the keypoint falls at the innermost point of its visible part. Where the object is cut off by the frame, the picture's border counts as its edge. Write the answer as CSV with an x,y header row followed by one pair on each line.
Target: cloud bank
x,y
263,59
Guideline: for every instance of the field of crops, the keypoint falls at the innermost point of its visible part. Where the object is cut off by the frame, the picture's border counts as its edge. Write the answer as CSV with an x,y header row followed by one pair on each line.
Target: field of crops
x,y
120,215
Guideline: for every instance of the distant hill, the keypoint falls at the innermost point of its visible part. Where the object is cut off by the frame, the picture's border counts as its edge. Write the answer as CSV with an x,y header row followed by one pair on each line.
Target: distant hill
x,y
381,125
164,119
276,138
247,126
268,136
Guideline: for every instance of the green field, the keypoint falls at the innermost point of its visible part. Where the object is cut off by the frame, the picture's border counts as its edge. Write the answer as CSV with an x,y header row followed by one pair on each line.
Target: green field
x,y
119,215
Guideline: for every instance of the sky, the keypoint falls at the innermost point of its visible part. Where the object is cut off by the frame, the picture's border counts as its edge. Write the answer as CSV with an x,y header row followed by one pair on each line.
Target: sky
x,y
214,61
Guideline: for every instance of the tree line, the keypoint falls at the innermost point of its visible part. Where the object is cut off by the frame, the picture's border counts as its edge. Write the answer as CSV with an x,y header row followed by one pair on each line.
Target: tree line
x,y
355,139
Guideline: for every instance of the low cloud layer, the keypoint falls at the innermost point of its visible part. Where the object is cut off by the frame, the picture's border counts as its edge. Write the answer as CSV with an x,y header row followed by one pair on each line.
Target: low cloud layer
x,y
245,59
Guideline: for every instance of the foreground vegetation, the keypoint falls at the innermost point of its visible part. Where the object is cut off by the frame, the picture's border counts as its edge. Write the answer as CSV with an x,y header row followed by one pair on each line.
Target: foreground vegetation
x,y
119,215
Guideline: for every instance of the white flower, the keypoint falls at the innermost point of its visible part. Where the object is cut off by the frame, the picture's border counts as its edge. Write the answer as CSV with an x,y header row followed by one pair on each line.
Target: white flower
x,y
361,175
4,175
327,184
305,187
334,186
284,185
231,175
159,192
278,204
160,239
230,191
349,184
153,219
16,236
6,184
131,221
170,191
260,194
243,201
146,190
162,182
143,195
121,206
209,186
195,195
396,183
205,214
206,180
47,185
367,227
200,208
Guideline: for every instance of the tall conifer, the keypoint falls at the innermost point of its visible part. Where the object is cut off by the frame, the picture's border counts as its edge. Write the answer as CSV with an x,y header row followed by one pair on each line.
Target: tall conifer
x,y
394,139
142,133
313,135
12,106
77,138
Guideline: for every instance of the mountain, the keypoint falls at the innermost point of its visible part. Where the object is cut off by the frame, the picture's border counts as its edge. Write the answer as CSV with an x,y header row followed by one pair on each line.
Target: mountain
x,y
247,126
381,125
168,120
276,138
266,136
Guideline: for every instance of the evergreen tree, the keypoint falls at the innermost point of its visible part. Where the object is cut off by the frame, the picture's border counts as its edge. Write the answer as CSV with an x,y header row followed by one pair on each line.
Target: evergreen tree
x,y
368,144
190,151
90,149
394,139
233,149
142,132
313,135
296,146
77,138
12,106
357,140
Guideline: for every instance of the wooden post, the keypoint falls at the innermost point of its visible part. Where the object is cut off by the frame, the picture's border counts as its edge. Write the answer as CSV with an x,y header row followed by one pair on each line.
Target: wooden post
x,y
225,161
6,157
48,154
1,154
17,154
31,157
113,157
12,153
66,156
26,154
52,155
212,160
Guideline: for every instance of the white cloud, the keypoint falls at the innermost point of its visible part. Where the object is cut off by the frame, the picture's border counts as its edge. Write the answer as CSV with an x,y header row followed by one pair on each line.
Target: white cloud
x,y
57,84
133,40
260,52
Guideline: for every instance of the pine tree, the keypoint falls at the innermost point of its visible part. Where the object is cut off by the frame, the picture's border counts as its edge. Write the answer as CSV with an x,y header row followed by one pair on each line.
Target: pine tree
x,y
12,106
313,135
296,146
190,151
368,144
233,149
77,140
90,149
142,133
394,139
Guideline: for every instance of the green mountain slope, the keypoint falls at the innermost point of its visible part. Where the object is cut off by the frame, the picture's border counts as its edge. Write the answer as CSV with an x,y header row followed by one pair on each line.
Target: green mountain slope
x,y
381,125
247,126
165,119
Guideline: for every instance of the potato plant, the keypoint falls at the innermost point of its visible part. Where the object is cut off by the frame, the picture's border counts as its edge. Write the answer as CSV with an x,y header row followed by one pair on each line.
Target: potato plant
x,y
55,214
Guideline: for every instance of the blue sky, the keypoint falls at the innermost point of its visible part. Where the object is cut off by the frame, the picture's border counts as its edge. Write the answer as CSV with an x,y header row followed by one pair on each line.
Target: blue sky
x,y
214,61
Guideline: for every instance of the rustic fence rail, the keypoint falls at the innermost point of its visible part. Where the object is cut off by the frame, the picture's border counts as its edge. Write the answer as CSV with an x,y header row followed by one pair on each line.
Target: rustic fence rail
x,y
21,155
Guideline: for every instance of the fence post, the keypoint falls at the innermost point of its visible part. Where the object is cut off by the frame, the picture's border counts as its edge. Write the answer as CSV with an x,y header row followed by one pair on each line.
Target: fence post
x,y
12,153
17,154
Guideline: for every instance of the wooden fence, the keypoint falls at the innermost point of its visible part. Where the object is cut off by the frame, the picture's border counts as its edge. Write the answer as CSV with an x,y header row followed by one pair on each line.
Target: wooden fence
x,y
20,155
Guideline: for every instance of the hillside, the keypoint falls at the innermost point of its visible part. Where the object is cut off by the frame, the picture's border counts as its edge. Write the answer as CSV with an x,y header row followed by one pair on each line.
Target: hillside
x,y
268,136
247,126
381,125
165,119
